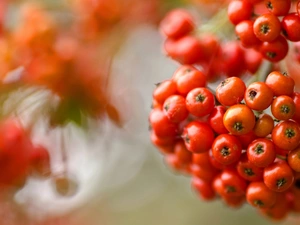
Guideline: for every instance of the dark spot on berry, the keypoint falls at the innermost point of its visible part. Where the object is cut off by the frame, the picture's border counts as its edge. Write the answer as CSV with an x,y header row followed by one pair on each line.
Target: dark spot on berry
x,y
285,109
269,5
281,182
225,151
230,189
289,133
248,172
259,149
258,203
271,55
200,98
252,94
238,126
264,28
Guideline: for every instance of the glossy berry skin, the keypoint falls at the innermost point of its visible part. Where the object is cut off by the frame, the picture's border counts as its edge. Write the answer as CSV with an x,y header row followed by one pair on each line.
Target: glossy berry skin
x,y
239,11
233,184
215,119
253,60
296,99
260,196
175,109
200,102
264,125
275,50
244,32
161,125
216,163
231,56
177,23
278,176
164,143
261,152
283,107
286,135
230,91
249,171
294,159
172,161
279,210
258,96
206,174
267,27
203,188
291,27
188,78
198,137
164,90
202,159
226,149
184,156
246,139
212,45
185,50
235,202
278,7
182,71
280,83
239,119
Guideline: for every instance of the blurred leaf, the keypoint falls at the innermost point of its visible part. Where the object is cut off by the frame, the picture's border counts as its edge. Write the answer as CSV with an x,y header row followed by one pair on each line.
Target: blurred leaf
x,y
68,111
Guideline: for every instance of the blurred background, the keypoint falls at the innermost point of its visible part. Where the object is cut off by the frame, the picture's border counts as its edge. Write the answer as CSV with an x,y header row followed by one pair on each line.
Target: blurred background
x,y
118,177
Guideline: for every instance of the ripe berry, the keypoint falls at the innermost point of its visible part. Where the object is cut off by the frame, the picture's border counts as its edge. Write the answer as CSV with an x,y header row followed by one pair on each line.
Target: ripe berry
x,y
177,23
286,135
215,119
200,102
258,96
291,27
275,50
264,125
230,91
280,83
261,152
278,176
239,119
267,27
203,188
198,137
188,78
239,11
226,149
283,107
294,159
260,196
278,7
164,90
175,109
249,171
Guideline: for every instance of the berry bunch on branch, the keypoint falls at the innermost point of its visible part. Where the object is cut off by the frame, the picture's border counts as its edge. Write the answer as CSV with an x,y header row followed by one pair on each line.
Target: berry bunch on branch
x,y
229,117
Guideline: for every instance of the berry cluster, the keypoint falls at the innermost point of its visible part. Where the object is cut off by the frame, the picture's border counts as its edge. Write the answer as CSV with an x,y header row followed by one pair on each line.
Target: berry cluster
x,y
270,29
216,57
239,143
